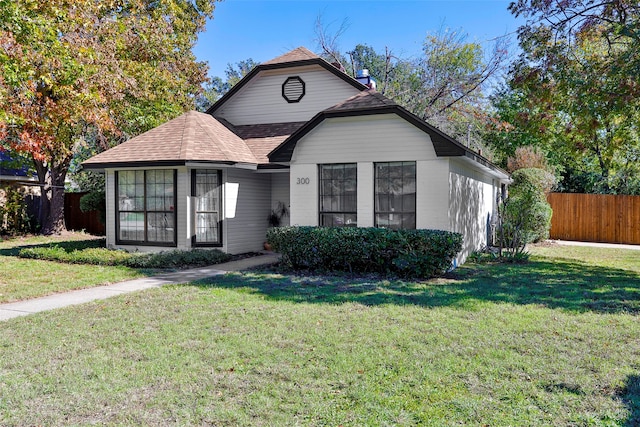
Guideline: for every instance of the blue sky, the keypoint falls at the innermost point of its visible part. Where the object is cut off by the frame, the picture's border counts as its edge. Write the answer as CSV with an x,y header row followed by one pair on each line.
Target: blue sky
x,y
262,30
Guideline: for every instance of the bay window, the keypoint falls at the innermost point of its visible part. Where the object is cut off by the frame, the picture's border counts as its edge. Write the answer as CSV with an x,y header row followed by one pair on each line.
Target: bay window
x,y
146,207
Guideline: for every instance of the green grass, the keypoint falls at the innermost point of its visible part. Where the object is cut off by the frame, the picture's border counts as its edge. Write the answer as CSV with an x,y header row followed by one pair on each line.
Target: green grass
x,y
613,258
555,342
38,266
25,278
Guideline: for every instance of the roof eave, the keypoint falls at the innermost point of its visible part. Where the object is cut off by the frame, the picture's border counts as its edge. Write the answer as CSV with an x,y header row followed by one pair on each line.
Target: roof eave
x,y
283,152
485,165
132,164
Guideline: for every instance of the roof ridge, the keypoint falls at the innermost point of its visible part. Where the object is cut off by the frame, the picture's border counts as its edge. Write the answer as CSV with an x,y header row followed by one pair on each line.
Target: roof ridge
x,y
298,54
360,101
186,133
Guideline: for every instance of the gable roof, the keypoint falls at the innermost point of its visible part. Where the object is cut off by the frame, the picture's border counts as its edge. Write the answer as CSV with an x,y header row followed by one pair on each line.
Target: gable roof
x,y
201,137
192,136
298,57
371,103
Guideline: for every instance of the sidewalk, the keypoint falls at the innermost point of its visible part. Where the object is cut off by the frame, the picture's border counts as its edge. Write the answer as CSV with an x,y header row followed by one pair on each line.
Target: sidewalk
x,y
50,302
597,245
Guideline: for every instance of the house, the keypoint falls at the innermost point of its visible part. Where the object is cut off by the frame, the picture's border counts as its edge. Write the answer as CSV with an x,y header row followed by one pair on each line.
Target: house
x,y
13,170
299,131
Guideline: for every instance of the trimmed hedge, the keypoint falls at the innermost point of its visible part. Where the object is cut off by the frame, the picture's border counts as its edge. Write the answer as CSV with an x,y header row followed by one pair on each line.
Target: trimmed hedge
x,y
104,256
407,253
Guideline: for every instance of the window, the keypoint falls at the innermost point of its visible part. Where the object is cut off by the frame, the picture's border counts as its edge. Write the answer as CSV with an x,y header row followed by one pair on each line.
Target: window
x,y
338,195
395,195
206,192
146,213
293,89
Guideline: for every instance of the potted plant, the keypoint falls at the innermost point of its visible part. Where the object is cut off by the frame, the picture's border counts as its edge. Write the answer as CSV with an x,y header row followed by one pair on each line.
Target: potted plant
x,y
275,218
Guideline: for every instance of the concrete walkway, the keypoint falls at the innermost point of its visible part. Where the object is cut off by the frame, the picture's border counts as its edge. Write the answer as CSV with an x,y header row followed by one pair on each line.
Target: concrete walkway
x,y
597,245
50,302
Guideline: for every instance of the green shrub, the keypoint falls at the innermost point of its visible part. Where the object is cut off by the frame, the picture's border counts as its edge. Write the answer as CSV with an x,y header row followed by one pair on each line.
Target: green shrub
x,y
90,254
408,253
14,215
95,201
525,216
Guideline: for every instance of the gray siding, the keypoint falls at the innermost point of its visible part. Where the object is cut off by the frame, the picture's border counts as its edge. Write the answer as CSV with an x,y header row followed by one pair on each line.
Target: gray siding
x,y
366,140
261,101
472,195
432,194
245,231
377,138
280,192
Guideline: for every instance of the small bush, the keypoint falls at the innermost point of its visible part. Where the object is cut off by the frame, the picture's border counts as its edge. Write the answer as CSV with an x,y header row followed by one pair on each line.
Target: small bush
x,y
525,216
407,253
103,256
14,215
528,157
95,201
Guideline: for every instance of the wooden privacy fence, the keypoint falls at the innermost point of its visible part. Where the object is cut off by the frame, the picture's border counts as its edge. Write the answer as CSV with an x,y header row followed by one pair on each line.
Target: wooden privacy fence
x,y
75,219
595,218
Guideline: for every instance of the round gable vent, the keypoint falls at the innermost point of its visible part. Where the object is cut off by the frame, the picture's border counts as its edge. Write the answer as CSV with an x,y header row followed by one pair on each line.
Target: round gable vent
x,y
293,89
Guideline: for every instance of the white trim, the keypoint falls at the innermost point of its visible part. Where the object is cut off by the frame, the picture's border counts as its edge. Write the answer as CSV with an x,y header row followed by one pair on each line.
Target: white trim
x,y
484,169
223,211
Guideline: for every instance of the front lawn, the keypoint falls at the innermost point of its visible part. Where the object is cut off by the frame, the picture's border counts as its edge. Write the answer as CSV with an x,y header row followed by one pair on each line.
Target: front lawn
x,y
25,278
35,266
554,342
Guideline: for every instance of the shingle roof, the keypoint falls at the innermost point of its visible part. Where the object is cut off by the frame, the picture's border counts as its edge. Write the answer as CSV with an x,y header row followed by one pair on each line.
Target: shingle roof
x,y
193,136
364,100
264,138
201,137
298,54
197,137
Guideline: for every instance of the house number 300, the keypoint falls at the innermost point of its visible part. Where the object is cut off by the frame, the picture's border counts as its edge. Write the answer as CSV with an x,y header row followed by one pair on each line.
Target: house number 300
x,y
302,181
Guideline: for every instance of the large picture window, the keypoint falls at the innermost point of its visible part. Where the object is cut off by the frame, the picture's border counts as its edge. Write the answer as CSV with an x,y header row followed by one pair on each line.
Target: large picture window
x,y
395,195
146,207
338,195
206,192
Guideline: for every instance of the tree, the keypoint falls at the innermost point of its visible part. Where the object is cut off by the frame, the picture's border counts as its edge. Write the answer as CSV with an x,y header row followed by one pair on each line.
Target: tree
x,y
567,18
395,76
215,88
443,86
328,42
517,121
79,73
577,92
